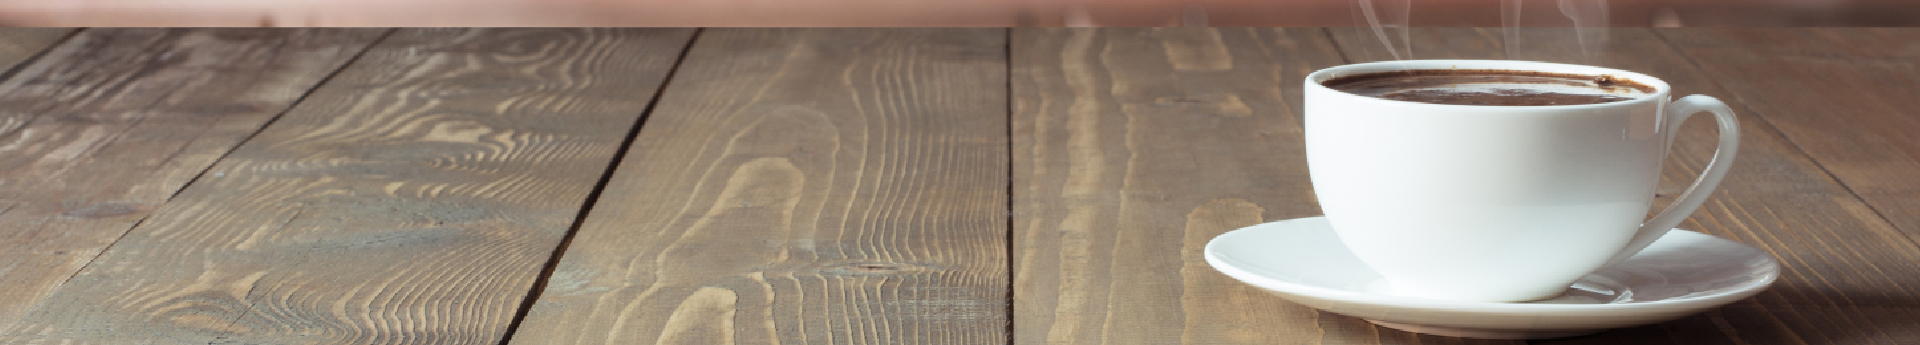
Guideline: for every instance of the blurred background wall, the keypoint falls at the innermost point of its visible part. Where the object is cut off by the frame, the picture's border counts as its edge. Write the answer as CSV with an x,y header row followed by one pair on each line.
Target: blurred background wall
x,y
929,12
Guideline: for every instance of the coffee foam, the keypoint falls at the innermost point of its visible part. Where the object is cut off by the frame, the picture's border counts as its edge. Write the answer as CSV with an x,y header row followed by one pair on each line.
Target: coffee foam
x,y
1507,95
1491,87
1502,87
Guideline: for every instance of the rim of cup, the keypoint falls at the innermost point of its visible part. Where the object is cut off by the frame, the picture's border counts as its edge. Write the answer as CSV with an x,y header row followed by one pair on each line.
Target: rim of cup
x,y
1660,87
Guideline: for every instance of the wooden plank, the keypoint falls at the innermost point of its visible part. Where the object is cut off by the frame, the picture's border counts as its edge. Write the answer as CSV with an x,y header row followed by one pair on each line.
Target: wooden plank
x,y
803,186
1849,277
1846,96
1133,148
17,45
104,129
414,199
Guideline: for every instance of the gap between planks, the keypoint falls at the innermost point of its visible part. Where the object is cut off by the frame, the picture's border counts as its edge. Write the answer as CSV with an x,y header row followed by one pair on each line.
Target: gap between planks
x,y
593,197
276,118
22,65
223,155
1791,143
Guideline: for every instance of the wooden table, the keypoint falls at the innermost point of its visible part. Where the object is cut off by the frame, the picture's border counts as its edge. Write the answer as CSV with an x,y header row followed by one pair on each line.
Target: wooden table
x,y
833,186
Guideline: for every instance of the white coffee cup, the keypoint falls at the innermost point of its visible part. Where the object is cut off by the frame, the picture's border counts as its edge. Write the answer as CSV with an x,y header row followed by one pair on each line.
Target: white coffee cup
x,y
1498,203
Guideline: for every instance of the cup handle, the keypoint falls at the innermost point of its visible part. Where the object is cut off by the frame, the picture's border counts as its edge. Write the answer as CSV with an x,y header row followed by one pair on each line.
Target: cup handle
x,y
1690,200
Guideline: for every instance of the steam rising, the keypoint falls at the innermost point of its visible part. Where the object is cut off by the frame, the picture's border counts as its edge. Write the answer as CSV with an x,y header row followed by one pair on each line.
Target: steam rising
x,y
1396,13
1510,22
1388,19
1589,24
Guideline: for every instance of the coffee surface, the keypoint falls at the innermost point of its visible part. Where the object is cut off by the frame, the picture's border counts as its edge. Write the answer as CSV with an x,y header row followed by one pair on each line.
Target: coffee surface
x,y
1490,87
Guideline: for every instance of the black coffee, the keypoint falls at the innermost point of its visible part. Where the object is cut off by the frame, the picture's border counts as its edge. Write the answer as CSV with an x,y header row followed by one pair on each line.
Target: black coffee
x,y
1490,87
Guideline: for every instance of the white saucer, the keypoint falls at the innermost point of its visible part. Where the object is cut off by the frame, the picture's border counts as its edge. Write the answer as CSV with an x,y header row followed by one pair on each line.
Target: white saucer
x,y
1683,273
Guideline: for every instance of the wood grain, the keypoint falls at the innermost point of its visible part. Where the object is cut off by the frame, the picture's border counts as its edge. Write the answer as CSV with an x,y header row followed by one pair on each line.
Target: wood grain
x,y
1132,149
1849,277
1846,96
99,132
413,199
17,45
803,186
